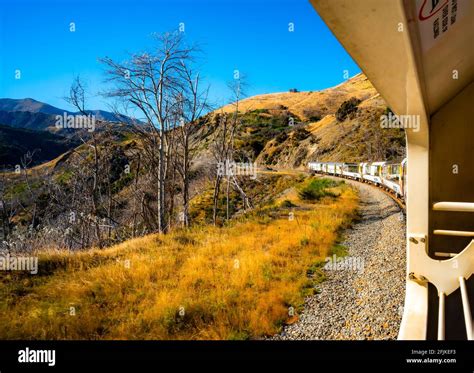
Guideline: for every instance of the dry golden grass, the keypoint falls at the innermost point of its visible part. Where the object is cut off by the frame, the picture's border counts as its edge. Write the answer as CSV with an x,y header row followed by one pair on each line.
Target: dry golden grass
x,y
298,102
233,282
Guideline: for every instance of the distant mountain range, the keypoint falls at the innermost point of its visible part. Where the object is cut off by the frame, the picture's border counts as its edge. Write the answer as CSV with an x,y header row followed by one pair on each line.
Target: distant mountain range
x,y
29,125
31,114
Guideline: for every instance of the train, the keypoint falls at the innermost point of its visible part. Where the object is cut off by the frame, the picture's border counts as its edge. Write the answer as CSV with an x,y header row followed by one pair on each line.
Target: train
x,y
390,176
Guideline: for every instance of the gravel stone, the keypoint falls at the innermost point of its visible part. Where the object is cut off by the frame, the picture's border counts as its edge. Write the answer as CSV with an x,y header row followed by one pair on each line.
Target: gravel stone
x,y
361,304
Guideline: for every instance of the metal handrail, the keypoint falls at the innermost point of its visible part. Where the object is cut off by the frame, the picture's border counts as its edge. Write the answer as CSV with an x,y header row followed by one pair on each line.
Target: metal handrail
x,y
454,206
441,317
466,309
445,232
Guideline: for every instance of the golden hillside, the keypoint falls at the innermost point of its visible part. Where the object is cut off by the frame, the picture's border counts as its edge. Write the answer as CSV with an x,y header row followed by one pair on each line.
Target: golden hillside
x,y
317,133
303,104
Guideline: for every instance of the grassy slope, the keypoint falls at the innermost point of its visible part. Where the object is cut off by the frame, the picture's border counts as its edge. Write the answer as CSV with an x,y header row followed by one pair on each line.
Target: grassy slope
x,y
302,104
232,282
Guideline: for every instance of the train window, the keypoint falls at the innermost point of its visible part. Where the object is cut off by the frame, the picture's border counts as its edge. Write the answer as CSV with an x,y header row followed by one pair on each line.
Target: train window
x,y
352,168
392,172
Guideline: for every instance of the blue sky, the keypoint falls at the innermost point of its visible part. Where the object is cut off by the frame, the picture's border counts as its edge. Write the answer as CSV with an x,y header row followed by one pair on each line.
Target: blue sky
x,y
251,36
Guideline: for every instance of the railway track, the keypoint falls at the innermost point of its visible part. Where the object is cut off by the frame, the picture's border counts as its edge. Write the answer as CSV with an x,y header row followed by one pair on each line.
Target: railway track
x,y
364,301
398,200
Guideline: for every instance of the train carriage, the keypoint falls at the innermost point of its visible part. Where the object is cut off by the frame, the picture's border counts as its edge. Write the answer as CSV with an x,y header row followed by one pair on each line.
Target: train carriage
x,y
387,175
315,166
373,172
331,168
351,170
339,168
392,177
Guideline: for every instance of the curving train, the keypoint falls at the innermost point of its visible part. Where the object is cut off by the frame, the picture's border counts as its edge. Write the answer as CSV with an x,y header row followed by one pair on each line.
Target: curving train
x,y
390,176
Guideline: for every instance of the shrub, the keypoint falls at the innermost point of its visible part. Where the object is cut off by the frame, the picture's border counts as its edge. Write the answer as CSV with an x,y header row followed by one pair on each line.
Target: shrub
x,y
287,203
301,134
281,137
304,241
260,111
317,189
257,146
347,108
388,111
313,114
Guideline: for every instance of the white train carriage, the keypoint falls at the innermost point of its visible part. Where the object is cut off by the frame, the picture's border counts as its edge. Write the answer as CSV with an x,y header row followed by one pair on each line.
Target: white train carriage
x,y
331,168
392,177
315,166
351,170
372,172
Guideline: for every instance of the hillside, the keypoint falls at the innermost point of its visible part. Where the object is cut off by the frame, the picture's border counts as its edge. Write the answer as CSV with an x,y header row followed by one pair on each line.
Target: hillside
x,y
311,104
16,142
316,133
285,130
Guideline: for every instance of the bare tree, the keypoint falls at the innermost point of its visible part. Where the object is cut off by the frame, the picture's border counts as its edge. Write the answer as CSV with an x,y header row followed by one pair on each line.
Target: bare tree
x,y
9,207
236,87
220,151
191,103
92,199
151,82
224,154
77,98
26,161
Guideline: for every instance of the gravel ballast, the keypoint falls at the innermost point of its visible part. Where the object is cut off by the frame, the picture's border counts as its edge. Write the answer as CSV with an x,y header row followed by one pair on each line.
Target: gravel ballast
x,y
363,300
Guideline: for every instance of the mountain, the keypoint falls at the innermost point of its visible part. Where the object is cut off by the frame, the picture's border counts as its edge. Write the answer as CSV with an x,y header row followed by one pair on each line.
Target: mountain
x,y
39,116
16,142
28,105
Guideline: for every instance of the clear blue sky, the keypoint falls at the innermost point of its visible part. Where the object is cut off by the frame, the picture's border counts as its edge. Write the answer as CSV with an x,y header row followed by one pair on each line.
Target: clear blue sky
x,y
249,35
